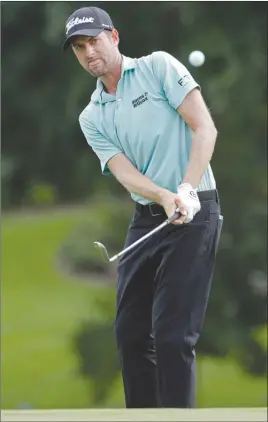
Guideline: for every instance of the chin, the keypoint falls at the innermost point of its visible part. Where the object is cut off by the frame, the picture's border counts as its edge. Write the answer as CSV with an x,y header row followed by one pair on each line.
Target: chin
x,y
95,74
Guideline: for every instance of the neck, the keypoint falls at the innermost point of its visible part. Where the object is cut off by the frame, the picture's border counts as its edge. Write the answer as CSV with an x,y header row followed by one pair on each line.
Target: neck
x,y
110,80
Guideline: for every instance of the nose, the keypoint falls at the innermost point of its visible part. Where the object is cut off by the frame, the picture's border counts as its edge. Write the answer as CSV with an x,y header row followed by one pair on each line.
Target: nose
x,y
89,51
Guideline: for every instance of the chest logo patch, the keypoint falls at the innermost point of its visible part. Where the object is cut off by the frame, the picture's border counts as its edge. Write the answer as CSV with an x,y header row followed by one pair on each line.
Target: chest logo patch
x,y
140,100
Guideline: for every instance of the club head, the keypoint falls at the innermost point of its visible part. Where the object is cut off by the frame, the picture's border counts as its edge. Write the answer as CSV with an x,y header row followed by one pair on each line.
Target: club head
x,y
102,250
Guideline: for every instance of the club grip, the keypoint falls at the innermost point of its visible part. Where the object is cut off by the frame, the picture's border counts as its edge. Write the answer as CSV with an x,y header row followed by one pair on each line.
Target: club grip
x,y
173,217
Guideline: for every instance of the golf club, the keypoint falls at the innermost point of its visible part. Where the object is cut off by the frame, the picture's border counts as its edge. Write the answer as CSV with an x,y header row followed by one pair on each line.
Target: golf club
x,y
104,252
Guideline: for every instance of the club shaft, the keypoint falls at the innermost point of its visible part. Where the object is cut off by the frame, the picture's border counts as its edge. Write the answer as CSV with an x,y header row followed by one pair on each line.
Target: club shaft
x,y
165,223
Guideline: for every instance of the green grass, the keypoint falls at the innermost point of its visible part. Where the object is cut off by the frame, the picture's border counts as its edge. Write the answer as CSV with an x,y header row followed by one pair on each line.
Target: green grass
x,y
41,310
222,383
142,415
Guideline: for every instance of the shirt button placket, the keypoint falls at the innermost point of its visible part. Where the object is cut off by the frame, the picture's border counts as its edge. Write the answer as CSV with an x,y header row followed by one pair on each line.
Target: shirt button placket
x,y
118,100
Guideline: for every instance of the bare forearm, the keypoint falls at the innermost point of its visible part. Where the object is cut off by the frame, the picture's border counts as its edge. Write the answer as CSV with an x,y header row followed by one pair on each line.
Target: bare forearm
x,y
134,181
203,143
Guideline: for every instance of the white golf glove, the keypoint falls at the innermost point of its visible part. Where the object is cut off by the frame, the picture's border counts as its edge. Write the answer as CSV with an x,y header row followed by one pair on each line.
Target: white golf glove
x,y
189,199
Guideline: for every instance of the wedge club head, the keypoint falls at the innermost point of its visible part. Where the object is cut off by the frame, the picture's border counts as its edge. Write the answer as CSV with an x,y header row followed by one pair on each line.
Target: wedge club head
x,y
104,252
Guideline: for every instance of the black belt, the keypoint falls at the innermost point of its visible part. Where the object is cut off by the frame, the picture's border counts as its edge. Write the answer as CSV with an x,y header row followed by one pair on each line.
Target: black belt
x,y
155,209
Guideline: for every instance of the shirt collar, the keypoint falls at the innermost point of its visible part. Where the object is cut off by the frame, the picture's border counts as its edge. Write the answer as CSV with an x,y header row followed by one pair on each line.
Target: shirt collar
x,y
99,95
128,63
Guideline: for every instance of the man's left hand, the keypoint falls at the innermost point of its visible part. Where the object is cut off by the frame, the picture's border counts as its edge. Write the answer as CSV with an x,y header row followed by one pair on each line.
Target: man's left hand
x,y
189,199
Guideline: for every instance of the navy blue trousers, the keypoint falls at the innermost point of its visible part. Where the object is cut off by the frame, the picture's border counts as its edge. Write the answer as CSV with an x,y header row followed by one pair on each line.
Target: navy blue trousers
x,y
163,291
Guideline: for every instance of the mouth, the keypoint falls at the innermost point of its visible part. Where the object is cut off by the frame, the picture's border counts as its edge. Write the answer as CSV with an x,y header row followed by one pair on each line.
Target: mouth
x,y
93,63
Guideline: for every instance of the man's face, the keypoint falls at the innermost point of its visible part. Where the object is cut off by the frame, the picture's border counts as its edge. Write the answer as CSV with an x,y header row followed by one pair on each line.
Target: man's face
x,y
97,55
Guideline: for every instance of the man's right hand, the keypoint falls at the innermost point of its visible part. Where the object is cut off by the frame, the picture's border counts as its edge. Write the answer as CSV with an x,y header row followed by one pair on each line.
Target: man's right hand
x,y
171,202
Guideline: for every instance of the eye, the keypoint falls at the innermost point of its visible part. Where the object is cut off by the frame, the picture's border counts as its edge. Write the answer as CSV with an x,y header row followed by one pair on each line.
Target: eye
x,y
77,47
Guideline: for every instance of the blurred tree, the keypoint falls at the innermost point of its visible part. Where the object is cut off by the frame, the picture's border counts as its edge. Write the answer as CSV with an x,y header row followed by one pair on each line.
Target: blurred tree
x,y
96,348
95,344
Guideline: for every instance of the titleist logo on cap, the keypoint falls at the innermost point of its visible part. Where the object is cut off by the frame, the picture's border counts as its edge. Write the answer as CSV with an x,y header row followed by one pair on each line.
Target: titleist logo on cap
x,y
77,21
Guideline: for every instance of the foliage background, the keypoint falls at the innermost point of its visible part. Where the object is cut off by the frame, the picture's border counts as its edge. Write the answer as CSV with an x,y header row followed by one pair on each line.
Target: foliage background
x,y
57,297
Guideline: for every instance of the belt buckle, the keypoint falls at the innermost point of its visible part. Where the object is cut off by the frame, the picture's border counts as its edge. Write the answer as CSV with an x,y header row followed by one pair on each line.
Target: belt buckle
x,y
151,211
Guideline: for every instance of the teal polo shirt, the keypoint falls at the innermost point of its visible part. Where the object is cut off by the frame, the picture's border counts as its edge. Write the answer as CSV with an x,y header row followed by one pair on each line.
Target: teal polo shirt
x,y
141,121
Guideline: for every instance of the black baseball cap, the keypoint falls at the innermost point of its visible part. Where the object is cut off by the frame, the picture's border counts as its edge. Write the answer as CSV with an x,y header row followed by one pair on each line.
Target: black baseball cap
x,y
88,21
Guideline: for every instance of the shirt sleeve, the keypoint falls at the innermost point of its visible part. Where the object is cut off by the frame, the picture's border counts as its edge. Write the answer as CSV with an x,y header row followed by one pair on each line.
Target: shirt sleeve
x,y
176,80
102,147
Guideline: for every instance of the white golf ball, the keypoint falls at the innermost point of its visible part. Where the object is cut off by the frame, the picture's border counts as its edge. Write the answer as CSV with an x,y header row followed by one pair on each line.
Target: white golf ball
x,y
197,58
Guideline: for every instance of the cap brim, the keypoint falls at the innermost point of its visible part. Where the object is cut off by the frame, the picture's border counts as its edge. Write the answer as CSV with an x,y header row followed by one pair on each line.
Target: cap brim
x,y
85,32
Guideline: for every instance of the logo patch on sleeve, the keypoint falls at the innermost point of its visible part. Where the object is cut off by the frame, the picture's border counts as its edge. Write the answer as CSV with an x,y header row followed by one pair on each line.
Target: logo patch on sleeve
x,y
184,80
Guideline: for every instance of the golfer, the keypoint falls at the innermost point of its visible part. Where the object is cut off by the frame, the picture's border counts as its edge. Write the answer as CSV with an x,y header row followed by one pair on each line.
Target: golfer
x,y
149,126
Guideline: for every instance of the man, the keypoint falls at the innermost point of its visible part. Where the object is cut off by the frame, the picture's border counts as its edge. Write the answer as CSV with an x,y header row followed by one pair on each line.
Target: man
x,y
149,126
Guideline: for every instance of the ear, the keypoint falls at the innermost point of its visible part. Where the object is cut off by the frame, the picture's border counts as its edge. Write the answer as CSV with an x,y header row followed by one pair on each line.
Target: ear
x,y
115,37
